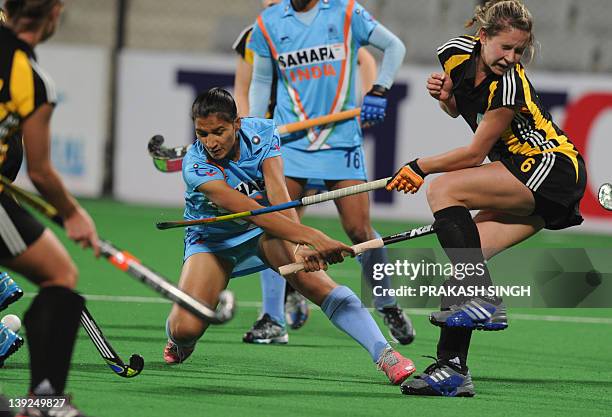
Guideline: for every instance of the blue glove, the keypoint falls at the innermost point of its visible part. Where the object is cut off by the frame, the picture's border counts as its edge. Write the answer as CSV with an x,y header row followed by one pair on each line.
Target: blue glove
x,y
374,106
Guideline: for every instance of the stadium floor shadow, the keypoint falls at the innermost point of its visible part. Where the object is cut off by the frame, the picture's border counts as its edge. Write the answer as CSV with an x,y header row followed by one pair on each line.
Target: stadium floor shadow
x,y
551,381
229,390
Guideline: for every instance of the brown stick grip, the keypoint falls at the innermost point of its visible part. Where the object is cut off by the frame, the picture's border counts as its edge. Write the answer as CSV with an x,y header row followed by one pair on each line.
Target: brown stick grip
x,y
317,121
358,248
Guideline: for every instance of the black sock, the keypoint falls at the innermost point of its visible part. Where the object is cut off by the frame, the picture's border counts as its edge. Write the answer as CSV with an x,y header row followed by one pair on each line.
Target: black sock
x,y
51,325
453,346
459,237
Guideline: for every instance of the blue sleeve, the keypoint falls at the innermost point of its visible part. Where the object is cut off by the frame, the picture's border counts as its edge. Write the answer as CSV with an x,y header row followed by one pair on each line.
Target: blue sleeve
x,y
261,85
196,173
394,51
275,148
258,43
362,24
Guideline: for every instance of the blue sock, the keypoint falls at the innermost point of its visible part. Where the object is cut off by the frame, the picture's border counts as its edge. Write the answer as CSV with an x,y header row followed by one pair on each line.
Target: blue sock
x,y
344,309
273,295
367,260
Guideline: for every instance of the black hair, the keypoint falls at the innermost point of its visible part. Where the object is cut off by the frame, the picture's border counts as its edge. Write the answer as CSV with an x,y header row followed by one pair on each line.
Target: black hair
x,y
32,9
215,101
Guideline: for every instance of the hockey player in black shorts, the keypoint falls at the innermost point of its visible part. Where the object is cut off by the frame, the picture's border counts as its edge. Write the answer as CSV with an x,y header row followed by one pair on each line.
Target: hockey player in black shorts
x,y
535,179
27,99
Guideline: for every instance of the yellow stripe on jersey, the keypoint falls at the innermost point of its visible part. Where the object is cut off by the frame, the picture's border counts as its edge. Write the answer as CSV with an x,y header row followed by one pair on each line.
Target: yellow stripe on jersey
x,y
22,84
454,61
248,52
541,124
492,88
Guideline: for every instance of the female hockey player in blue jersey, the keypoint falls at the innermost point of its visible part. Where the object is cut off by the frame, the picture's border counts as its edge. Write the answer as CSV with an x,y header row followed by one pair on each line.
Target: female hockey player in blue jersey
x,y
235,165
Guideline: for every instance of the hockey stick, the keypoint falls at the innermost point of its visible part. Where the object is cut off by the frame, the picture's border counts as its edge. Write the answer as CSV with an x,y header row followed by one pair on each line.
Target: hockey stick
x,y
370,244
171,159
106,350
305,201
128,263
605,196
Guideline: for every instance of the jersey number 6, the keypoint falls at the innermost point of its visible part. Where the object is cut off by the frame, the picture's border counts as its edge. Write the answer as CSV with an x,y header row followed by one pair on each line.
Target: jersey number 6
x,y
527,164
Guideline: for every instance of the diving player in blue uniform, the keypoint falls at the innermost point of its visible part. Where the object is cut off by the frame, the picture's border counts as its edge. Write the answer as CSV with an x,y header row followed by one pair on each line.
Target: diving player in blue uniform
x,y
312,47
235,165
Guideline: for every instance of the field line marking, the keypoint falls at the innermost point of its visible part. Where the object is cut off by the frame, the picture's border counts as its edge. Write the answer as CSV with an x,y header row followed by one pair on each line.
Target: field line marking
x,y
413,311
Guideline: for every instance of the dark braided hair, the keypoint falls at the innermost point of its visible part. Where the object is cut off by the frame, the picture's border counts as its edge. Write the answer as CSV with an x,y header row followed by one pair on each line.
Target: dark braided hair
x,y
215,101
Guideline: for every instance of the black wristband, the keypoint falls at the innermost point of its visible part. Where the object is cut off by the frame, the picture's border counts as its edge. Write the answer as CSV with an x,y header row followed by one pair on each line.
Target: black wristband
x,y
378,90
416,168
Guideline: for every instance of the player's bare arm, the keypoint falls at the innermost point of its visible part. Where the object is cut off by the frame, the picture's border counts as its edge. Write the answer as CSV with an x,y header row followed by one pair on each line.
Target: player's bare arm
x,y
242,81
37,143
489,131
276,186
411,176
275,224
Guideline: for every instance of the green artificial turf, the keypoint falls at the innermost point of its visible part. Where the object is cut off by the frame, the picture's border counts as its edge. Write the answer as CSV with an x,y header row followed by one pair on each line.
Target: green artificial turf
x,y
556,367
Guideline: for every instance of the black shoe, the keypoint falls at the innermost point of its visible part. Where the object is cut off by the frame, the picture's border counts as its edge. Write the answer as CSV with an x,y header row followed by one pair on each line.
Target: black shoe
x,y
441,379
5,410
266,331
400,326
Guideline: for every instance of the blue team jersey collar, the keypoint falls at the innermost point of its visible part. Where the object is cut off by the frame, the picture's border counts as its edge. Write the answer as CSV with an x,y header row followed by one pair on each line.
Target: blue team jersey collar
x,y
322,4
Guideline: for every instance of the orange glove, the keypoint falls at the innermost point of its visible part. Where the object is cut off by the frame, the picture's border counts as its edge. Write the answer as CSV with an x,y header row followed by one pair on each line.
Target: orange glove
x,y
408,178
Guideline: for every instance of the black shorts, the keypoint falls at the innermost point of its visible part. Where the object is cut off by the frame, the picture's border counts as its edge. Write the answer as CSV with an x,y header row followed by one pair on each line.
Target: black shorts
x,y
18,228
551,177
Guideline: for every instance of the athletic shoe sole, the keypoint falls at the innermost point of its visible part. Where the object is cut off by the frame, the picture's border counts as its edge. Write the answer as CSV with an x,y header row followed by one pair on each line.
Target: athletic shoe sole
x,y
281,340
461,392
11,299
486,326
14,348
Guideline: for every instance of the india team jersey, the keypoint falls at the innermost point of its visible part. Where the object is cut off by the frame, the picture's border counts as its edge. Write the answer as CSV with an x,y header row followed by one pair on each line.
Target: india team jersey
x,y
532,130
259,140
316,66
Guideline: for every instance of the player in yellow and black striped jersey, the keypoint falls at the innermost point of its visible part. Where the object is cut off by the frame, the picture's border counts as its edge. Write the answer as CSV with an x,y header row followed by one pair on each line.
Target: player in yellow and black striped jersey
x,y
536,178
24,87
27,99
533,148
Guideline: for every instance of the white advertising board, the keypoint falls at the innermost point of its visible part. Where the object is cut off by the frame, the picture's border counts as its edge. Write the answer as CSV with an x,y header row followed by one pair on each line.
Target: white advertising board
x,y
79,126
156,91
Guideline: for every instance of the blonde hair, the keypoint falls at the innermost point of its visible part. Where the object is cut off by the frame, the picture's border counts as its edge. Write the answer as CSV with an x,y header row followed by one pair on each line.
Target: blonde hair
x,y
496,16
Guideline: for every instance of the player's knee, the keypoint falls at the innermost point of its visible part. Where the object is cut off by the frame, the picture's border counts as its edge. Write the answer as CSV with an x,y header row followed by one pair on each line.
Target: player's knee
x,y
185,330
65,274
437,190
360,233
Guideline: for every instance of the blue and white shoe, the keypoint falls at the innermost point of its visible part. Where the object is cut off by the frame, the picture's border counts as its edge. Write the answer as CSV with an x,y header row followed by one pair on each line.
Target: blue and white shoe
x,y
10,342
440,379
9,291
473,314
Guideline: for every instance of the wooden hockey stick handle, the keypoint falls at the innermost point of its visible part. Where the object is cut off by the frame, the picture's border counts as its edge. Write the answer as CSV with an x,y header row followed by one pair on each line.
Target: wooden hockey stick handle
x,y
358,248
317,121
